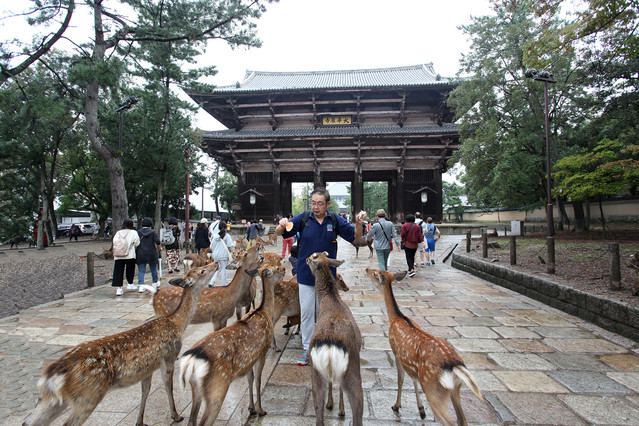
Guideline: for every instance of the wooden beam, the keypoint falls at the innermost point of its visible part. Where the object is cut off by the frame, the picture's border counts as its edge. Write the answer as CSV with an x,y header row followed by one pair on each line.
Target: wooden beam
x,y
312,114
334,148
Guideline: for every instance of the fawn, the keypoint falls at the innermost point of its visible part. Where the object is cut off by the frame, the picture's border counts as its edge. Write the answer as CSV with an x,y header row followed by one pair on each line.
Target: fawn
x,y
430,361
83,375
216,304
222,356
335,344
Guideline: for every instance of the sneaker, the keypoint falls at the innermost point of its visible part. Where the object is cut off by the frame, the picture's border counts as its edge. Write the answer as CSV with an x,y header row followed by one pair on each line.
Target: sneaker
x,y
303,359
411,274
422,263
140,289
156,285
131,287
432,261
119,291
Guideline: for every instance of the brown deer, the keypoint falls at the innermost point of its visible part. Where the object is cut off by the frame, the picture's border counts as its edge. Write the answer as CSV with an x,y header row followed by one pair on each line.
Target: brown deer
x,y
361,242
83,375
272,239
430,361
194,260
216,304
212,364
335,344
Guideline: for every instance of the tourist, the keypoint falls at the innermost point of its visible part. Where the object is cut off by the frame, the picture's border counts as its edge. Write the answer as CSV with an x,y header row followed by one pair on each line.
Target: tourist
x,y
382,232
432,234
411,236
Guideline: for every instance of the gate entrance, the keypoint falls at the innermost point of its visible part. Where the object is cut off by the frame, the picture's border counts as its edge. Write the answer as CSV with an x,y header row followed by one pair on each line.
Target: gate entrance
x,y
379,125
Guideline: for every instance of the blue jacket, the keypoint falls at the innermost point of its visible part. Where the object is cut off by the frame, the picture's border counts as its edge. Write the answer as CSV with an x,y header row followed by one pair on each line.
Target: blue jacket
x,y
317,237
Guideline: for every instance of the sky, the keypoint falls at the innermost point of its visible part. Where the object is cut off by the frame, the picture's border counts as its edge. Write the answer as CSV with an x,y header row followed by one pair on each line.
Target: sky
x,y
314,35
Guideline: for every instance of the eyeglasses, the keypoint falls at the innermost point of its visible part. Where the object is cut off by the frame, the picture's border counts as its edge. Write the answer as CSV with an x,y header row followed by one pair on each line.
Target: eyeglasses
x,y
318,204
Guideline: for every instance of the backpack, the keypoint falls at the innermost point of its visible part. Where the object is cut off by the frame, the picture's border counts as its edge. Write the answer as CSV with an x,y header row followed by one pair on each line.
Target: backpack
x,y
121,246
166,236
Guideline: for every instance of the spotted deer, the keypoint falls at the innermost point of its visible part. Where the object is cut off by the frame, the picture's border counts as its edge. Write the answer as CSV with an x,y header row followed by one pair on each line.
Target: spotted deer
x,y
215,361
430,361
82,376
216,304
335,344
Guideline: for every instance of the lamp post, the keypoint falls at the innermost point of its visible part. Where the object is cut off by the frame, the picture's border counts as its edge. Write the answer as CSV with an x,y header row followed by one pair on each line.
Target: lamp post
x,y
187,231
547,77
252,200
127,104
423,198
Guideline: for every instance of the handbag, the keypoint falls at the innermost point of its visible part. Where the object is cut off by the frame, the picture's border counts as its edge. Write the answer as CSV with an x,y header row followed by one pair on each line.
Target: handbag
x,y
407,234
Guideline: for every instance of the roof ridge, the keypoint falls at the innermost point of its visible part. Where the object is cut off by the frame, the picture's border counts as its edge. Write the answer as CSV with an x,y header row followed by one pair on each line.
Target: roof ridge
x,y
426,66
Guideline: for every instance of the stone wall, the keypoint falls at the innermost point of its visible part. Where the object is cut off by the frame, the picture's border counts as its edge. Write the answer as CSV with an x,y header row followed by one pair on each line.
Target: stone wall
x,y
611,315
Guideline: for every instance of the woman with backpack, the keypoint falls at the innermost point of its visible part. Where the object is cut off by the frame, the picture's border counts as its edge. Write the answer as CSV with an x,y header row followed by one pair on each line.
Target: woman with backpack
x,y
147,252
124,243
411,236
173,249
220,245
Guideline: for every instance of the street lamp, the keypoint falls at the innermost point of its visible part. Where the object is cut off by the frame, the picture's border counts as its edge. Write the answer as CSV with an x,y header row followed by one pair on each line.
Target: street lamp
x,y
127,104
424,198
547,77
252,200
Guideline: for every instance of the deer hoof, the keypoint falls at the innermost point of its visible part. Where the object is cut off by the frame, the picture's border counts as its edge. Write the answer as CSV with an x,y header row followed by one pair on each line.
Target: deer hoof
x,y
177,418
396,407
261,413
329,405
422,413
341,414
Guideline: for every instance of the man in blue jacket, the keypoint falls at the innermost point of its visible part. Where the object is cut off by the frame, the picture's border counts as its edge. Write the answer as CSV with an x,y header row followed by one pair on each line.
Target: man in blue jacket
x,y
318,235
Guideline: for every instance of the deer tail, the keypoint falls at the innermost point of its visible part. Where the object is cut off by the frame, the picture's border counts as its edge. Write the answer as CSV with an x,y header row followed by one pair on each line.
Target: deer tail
x,y
330,360
193,368
461,372
150,289
51,387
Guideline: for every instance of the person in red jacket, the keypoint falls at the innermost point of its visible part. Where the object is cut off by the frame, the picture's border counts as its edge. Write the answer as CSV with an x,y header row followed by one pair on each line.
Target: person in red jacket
x,y
411,235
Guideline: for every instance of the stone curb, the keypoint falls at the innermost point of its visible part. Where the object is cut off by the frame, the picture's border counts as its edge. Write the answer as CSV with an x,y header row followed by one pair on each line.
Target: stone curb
x,y
608,314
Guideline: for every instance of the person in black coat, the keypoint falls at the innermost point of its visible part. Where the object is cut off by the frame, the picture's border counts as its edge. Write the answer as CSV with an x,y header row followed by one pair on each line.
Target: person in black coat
x,y
201,237
147,252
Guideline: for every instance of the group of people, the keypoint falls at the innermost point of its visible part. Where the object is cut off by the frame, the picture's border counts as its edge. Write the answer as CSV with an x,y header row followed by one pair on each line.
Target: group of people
x,y
141,247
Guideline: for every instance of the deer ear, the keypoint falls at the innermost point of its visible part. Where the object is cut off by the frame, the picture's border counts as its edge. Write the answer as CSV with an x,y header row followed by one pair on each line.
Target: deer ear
x,y
267,272
252,272
399,276
177,282
335,262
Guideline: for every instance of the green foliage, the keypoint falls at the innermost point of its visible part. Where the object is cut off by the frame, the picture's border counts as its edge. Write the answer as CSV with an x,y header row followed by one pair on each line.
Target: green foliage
x,y
226,190
611,168
375,197
502,113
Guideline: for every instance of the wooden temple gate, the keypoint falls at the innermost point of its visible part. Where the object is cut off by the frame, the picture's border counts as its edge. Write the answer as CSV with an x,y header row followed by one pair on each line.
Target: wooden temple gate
x,y
387,124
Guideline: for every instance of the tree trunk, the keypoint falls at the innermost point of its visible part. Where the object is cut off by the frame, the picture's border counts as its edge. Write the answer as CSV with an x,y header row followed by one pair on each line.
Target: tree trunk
x,y
603,220
112,158
587,213
158,201
580,221
564,216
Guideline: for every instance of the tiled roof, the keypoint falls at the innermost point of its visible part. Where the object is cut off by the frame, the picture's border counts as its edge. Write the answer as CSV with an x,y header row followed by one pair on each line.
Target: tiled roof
x,y
259,81
373,130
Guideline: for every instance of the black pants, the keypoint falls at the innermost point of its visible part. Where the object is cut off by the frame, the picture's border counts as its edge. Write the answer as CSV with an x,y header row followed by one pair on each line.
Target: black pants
x,y
410,257
118,271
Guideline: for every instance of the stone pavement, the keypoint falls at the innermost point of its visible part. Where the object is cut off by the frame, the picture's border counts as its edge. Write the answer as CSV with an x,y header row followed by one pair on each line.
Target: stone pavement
x,y
534,364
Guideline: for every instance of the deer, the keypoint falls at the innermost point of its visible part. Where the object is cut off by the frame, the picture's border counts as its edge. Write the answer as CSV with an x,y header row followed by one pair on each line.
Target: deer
x,y
82,376
336,343
362,242
215,361
272,239
194,260
430,361
216,304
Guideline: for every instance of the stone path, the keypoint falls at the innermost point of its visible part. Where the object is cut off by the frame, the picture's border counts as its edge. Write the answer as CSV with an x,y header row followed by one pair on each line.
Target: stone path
x,y
533,364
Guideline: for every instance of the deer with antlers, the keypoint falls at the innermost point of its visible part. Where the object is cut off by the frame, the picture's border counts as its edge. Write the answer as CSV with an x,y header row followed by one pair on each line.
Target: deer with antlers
x,y
335,344
430,361
216,304
215,361
82,376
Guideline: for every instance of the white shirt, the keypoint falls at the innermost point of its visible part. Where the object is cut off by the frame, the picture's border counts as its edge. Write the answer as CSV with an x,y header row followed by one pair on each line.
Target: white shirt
x,y
219,246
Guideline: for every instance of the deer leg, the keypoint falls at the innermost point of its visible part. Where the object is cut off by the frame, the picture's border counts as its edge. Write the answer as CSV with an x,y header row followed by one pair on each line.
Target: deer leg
x,y
167,377
455,397
79,414
258,367
352,385
341,411
400,384
319,393
146,388
47,412
438,400
275,348
329,401
250,376
196,401
420,406
213,399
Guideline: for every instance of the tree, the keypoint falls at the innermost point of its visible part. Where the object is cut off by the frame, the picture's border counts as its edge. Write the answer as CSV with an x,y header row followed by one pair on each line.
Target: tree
x,y
502,113
226,190
611,168
452,198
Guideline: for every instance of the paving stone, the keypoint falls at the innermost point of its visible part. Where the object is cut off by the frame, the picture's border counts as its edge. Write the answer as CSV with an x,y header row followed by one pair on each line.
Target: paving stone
x,y
477,321
516,332
623,362
598,346
515,321
529,381
538,408
589,382
525,346
563,332
521,362
576,362
476,345
602,409
476,332
628,379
